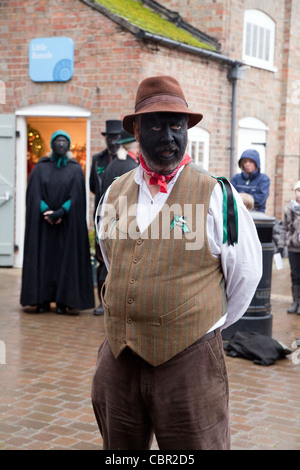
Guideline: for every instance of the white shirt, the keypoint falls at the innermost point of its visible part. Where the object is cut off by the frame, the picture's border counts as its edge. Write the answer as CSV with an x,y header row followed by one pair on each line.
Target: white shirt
x,y
241,263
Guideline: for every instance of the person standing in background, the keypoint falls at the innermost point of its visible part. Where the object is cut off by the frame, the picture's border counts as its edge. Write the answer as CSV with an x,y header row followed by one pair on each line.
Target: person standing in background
x,y
290,237
100,161
57,264
130,145
251,180
122,163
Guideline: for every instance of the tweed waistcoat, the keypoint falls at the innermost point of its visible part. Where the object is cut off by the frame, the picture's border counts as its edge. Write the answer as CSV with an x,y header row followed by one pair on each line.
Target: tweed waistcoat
x,y
164,289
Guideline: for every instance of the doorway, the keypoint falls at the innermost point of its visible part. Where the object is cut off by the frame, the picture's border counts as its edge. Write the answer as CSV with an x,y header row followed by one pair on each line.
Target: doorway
x,y
253,135
40,130
35,125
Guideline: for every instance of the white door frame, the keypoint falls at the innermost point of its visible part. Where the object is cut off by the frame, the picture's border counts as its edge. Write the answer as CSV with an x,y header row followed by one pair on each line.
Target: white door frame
x,y
40,110
252,135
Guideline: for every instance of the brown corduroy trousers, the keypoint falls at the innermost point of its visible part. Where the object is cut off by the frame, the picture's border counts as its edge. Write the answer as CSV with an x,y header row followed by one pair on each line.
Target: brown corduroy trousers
x,y
184,401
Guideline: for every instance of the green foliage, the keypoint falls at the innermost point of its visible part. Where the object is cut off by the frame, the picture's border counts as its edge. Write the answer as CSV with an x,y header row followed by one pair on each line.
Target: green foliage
x,y
136,13
92,242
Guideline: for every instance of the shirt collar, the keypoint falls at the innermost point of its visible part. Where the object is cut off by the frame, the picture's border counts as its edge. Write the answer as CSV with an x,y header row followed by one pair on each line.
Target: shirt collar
x,y
139,177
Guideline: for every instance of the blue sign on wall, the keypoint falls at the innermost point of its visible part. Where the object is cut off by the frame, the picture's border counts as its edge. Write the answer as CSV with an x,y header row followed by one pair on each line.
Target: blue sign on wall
x,y
51,59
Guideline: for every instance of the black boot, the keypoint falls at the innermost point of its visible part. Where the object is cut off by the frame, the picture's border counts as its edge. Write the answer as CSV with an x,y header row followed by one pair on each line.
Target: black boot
x,y
295,307
43,308
62,309
298,299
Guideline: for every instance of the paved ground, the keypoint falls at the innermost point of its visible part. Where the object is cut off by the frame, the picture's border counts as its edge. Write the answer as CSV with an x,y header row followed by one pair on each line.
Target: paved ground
x,y
49,361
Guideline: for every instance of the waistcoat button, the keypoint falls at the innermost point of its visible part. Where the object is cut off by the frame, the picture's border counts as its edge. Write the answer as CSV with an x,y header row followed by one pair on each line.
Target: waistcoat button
x,y
130,301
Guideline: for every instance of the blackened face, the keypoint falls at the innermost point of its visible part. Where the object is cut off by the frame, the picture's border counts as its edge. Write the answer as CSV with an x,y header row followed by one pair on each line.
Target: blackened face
x,y
112,142
60,145
163,140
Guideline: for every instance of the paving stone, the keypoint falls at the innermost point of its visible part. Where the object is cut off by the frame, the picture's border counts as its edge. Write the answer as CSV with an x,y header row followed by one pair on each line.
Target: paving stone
x,y
45,384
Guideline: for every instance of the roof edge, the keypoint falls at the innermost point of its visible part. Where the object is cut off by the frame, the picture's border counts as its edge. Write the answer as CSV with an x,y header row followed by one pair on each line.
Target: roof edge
x,y
187,48
176,18
167,42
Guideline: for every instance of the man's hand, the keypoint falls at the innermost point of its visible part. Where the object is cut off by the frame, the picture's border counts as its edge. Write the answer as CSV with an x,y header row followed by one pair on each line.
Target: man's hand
x,y
54,217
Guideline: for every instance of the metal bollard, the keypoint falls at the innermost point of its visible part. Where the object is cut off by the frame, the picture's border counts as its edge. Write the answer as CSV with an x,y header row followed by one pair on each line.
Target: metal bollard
x,y
258,316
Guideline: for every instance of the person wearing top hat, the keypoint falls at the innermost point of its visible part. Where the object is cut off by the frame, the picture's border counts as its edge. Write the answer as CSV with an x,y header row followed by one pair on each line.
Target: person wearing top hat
x,y
57,264
185,261
100,160
112,134
251,180
124,161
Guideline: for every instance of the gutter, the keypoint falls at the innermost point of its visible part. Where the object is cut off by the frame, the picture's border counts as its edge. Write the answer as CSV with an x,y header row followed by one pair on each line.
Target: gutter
x,y
235,72
187,48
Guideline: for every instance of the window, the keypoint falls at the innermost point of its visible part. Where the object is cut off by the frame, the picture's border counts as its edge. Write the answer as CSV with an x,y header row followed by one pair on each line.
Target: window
x,y
198,146
259,40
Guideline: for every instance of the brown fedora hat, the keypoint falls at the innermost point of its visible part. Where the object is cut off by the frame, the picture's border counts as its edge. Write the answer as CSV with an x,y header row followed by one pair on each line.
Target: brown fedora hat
x,y
160,94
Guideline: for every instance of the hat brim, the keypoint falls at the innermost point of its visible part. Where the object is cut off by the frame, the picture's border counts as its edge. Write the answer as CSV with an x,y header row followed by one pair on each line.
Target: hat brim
x,y
193,118
111,133
127,141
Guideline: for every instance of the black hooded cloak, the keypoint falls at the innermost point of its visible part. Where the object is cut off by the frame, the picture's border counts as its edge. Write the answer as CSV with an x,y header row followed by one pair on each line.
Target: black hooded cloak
x,y
57,265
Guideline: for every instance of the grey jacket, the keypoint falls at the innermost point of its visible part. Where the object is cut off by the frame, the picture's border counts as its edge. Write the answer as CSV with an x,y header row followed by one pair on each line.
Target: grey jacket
x,y
290,232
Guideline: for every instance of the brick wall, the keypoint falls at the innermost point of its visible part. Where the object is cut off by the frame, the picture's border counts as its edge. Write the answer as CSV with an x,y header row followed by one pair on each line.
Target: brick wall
x,y
110,62
272,97
105,59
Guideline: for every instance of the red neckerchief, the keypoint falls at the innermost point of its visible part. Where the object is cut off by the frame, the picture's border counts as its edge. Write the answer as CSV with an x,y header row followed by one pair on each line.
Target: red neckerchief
x,y
132,155
162,180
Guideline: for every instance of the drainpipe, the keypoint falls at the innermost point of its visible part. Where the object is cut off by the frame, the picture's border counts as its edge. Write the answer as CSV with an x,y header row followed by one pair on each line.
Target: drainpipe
x,y
234,74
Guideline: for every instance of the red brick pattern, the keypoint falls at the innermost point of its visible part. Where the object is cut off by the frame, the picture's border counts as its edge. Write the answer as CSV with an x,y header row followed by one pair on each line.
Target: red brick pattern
x,y
110,62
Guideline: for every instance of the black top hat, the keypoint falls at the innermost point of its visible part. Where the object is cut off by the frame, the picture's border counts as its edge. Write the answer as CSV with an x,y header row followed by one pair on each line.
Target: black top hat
x,y
113,127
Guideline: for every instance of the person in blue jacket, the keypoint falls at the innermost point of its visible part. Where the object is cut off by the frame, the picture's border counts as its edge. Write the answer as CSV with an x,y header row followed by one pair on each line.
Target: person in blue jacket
x,y
251,180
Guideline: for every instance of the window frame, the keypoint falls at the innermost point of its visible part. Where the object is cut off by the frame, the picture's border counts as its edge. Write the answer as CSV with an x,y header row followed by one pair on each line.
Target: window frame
x,y
264,23
198,135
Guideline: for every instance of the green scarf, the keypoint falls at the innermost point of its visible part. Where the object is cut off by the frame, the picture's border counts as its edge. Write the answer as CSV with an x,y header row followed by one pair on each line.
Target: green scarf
x,y
60,161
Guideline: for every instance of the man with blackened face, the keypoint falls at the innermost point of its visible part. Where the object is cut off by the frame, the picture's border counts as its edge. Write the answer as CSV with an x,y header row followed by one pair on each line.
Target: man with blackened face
x,y
166,298
163,140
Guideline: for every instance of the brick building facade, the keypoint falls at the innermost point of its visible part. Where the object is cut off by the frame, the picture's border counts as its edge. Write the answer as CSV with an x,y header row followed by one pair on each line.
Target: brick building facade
x,y
272,96
110,59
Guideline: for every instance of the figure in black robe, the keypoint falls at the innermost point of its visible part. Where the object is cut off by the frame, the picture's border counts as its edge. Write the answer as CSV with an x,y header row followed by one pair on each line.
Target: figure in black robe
x,y
100,161
57,265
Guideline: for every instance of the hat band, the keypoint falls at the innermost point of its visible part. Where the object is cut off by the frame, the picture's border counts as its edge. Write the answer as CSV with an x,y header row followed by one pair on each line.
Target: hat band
x,y
159,99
